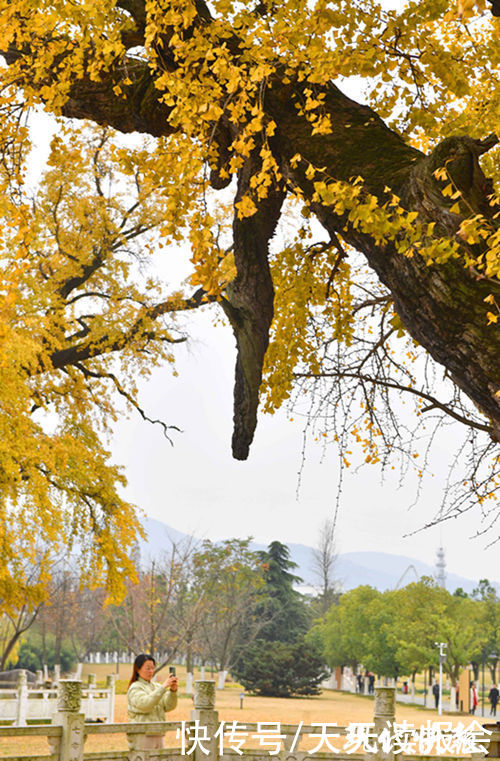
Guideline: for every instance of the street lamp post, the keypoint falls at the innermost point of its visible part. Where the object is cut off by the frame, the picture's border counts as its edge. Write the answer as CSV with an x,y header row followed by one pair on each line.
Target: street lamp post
x,y
494,659
442,659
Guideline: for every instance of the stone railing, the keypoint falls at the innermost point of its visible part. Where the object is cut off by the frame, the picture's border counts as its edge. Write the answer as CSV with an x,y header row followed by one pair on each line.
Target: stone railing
x,y
23,704
67,737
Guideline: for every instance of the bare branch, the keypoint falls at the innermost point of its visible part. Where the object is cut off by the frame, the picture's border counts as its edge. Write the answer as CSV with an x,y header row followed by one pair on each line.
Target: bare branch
x,y
126,395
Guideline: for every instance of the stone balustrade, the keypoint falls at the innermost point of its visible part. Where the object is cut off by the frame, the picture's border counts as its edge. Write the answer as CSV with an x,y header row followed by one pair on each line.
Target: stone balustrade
x,y
67,735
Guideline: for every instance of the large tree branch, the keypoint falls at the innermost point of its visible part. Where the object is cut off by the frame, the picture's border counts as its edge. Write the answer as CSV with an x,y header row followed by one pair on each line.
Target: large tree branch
x,y
140,330
138,108
249,305
441,306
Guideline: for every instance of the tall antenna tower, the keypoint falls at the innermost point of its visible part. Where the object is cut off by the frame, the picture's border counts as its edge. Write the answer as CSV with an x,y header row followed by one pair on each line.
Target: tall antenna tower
x,y
441,567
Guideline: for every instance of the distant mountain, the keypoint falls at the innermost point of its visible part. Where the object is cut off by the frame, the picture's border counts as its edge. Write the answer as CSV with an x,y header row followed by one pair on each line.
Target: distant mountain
x,y
381,570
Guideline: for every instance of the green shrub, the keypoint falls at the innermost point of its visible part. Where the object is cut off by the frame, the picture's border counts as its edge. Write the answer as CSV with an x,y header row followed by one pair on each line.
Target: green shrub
x,y
32,655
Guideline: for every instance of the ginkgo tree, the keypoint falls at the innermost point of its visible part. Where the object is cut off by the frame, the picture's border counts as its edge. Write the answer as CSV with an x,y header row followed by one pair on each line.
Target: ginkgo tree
x,y
239,115
69,309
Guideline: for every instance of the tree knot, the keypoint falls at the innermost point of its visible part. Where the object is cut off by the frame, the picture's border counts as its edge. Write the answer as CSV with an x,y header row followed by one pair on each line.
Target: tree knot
x,y
459,156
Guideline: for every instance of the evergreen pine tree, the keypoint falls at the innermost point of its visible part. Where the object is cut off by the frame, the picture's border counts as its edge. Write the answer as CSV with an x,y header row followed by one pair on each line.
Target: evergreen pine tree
x,y
280,605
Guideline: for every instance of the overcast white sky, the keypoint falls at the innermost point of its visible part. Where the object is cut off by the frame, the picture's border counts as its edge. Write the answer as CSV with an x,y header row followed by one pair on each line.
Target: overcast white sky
x,y
196,487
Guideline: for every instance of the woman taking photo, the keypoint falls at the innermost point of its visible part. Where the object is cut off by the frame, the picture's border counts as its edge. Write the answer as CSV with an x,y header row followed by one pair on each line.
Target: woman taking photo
x,y
148,701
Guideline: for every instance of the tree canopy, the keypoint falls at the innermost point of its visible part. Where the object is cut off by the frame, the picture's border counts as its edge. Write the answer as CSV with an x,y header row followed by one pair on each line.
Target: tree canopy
x,y
238,118
395,632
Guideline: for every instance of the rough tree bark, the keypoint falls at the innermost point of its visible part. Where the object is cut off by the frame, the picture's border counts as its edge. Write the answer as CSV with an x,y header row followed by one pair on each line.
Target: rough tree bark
x,y
442,307
249,307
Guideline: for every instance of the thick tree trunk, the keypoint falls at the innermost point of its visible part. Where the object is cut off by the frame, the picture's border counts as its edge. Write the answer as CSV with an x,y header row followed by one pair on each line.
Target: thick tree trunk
x,y
441,306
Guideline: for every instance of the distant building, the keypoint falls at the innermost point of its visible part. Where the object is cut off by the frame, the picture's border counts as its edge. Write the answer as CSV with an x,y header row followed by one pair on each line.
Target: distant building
x,y
440,568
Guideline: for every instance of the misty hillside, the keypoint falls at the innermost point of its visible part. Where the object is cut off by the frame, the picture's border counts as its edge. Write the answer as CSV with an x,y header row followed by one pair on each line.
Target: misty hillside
x,y
382,570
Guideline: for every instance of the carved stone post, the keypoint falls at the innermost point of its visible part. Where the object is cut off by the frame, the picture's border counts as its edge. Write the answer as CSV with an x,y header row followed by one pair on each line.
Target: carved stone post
x,y
22,699
204,713
135,753
69,700
384,716
89,708
110,685
453,699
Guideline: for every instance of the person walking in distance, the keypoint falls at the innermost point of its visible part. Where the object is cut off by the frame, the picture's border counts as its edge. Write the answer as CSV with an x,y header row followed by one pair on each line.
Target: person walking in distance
x,y
493,698
435,691
371,683
473,701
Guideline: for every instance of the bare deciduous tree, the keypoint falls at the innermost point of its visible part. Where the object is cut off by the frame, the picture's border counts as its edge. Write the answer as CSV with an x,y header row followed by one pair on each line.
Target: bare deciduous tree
x,y
324,558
